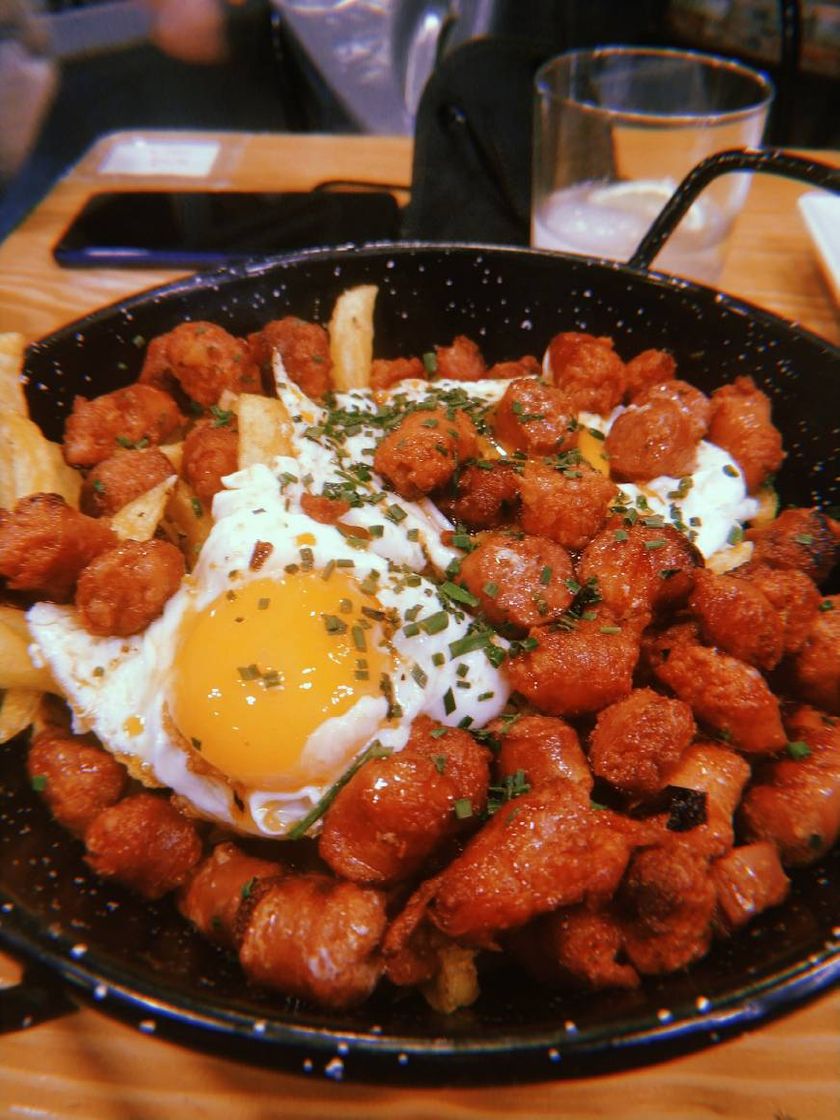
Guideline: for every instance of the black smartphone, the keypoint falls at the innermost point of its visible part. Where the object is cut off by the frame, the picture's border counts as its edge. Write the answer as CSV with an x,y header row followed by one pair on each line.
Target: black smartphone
x,y
203,229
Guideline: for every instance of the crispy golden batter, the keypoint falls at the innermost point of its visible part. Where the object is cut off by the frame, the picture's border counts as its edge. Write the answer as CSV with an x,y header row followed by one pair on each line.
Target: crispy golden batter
x,y
45,544
144,843
122,477
313,937
77,778
123,590
136,416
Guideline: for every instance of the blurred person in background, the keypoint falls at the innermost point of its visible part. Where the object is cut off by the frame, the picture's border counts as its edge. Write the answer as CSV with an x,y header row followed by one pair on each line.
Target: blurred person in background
x,y
28,79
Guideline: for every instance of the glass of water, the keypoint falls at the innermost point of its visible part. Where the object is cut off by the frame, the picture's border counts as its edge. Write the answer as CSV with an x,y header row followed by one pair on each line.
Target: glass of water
x,y
615,131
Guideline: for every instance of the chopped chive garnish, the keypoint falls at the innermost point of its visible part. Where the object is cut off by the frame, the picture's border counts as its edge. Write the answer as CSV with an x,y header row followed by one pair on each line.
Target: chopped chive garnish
x,y
459,594
435,623
375,750
463,808
334,624
449,704
420,677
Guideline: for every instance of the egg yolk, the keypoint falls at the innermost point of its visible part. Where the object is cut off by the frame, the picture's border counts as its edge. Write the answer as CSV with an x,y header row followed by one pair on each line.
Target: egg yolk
x,y
266,664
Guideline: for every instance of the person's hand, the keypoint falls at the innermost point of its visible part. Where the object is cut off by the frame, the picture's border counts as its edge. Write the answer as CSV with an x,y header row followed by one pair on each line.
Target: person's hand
x,y
189,30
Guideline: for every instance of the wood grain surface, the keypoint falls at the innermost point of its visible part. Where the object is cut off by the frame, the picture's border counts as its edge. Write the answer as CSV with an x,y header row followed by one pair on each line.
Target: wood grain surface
x,y
85,1066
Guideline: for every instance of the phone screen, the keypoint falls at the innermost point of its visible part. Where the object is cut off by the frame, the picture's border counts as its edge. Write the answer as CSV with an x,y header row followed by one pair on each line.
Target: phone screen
x,y
199,229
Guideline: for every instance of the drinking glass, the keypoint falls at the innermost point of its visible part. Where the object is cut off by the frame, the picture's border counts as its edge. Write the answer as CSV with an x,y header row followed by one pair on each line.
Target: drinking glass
x,y
615,131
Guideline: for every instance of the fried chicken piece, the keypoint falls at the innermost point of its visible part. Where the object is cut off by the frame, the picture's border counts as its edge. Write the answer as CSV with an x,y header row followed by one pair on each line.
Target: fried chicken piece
x,y
542,748
724,693
741,425
143,842
813,673
804,539
526,366
652,439
218,886
575,948
304,348
795,801
210,453
204,359
45,544
748,880
570,672
395,812
637,742
737,617
518,580
792,594
640,569
568,504
123,590
691,400
136,416
485,495
385,372
462,361
76,778
650,367
666,904
121,478
721,775
420,455
588,370
535,418
313,937
541,851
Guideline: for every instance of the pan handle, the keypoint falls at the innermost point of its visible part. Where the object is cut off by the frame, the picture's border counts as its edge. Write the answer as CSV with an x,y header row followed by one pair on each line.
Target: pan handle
x,y
775,161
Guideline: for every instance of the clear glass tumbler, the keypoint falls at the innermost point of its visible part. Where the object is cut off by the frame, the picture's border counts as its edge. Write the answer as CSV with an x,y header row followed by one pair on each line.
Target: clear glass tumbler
x,y
617,128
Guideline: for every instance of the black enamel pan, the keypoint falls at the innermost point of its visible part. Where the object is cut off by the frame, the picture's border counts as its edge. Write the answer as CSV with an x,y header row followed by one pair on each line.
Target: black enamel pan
x,y
83,940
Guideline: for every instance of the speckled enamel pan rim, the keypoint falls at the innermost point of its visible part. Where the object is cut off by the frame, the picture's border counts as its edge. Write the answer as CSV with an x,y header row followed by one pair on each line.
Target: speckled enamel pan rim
x,y
152,1008
263,265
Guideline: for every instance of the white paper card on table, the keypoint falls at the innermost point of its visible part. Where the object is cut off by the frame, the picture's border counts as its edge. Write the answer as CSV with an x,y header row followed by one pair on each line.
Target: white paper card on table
x,y
821,212
188,158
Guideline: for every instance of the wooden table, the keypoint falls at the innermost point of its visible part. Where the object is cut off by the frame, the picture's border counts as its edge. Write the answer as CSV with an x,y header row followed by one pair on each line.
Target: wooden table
x,y
89,1067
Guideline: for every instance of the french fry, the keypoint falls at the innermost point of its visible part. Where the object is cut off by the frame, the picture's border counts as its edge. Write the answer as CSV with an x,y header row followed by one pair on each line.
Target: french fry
x,y
456,982
186,521
265,429
351,337
174,452
138,519
31,464
12,398
18,710
16,667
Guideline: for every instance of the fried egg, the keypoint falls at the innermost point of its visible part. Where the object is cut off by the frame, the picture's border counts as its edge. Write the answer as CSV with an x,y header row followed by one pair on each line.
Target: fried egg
x,y
291,649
